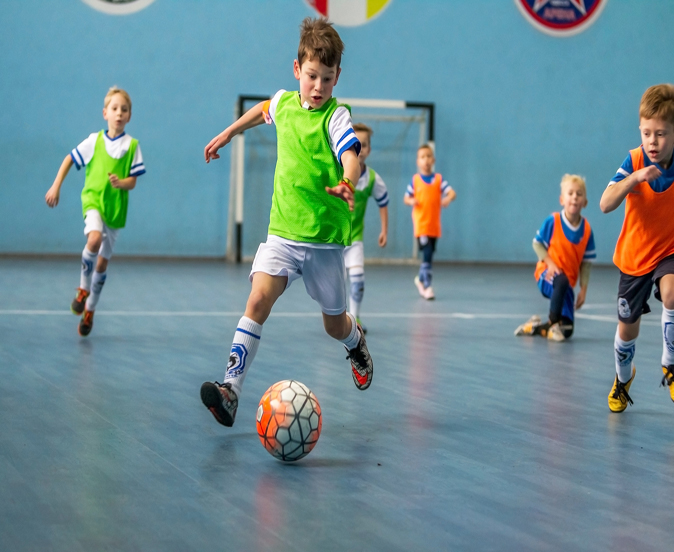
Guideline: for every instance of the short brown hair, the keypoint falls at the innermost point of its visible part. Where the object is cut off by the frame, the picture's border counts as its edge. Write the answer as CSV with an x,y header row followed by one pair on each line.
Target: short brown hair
x,y
658,103
362,127
319,41
114,90
426,146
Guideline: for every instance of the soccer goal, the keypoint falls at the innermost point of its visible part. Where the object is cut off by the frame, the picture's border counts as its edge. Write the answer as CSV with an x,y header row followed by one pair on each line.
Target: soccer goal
x,y
399,128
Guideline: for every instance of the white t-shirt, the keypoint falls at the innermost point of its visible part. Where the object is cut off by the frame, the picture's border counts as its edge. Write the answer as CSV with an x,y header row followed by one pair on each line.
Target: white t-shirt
x,y
380,192
116,148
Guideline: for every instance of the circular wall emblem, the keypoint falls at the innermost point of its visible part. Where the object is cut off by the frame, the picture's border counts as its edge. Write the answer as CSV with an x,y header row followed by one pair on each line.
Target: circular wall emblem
x,y
118,7
349,13
561,17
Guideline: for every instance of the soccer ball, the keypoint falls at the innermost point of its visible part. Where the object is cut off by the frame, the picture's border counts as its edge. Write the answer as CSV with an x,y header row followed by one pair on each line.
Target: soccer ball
x,y
289,420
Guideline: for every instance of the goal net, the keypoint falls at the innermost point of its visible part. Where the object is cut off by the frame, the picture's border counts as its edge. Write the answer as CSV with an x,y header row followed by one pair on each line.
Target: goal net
x,y
399,128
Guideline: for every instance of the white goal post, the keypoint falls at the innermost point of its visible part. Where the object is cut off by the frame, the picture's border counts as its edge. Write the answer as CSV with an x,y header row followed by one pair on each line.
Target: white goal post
x,y
367,110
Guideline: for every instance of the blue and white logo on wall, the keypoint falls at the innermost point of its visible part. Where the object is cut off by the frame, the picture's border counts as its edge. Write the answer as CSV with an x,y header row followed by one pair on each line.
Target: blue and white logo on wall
x,y
118,7
561,17
237,360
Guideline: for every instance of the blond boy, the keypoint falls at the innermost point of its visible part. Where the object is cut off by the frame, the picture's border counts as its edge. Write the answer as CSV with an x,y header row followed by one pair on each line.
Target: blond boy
x,y
565,249
645,249
310,222
113,161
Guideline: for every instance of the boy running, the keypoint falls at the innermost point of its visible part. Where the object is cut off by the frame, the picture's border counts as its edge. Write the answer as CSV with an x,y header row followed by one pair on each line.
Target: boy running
x,y
310,222
113,161
369,184
645,249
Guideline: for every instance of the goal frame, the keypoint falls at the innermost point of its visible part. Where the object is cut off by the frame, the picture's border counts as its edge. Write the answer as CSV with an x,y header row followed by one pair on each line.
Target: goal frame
x,y
235,218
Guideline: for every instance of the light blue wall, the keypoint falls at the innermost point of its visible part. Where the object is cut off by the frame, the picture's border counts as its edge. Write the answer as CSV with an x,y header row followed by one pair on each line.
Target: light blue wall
x,y
515,109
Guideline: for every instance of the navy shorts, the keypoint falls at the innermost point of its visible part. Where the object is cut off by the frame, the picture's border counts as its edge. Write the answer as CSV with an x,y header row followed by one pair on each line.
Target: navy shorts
x,y
634,291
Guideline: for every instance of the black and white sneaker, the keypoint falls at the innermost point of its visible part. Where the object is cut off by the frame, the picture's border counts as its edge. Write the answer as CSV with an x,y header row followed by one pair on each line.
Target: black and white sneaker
x,y
361,363
221,400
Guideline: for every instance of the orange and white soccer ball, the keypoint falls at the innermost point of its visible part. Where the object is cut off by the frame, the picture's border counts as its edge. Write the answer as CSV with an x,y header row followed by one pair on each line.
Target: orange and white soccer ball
x,y
289,420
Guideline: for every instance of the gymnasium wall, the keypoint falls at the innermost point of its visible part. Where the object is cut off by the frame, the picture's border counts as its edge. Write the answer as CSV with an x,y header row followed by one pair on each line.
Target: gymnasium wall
x,y
515,109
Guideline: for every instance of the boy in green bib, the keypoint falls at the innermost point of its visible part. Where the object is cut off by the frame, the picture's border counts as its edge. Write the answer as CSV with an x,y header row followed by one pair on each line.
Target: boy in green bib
x,y
310,222
370,184
113,161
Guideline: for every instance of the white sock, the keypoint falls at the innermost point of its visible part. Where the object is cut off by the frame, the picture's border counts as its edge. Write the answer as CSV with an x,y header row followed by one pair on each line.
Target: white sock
x,y
668,337
351,341
244,346
357,279
97,282
88,262
624,355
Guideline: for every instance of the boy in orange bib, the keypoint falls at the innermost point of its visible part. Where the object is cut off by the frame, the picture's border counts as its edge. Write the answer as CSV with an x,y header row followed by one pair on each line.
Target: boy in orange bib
x,y
645,249
428,193
565,249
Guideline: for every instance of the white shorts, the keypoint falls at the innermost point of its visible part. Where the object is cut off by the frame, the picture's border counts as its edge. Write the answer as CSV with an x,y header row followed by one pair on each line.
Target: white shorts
x,y
322,270
94,222
354,256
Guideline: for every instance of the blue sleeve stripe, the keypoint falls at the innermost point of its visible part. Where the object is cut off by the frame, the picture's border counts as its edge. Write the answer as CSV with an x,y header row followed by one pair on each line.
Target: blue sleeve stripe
x,y
247,333
77,151
347,133
77,165
352,142
136,165
410,190
382,201
138,173
540,239
444,186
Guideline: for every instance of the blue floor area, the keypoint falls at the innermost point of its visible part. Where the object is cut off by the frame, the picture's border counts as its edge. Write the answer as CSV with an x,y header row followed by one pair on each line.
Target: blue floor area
x,y
468,439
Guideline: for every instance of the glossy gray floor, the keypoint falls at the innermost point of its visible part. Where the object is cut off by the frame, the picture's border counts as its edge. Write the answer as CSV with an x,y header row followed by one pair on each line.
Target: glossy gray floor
x,y
469,438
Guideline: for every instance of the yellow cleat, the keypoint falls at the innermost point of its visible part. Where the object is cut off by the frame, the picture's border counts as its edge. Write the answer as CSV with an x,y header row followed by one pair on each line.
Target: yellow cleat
x,y
529,326
619,396
668,379
555,333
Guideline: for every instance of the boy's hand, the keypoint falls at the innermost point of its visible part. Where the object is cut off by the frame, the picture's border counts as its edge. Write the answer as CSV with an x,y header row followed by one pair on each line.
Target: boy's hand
x,y
647,174
552,270
114,180
342,191
580,300
382,239
211,150
52,196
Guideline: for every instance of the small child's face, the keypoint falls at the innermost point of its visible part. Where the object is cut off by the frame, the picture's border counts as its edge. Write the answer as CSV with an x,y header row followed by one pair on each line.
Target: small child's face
x,y
425,160
364,139
316,81
657,138
117,113
573,199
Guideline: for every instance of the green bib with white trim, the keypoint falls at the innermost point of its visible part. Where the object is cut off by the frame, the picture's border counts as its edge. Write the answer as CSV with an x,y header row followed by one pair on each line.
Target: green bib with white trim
x,y
301,209
98,193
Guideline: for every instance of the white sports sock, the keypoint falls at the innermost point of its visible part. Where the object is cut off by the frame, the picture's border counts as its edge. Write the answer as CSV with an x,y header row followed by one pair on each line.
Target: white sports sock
x,y
97,282
624,355
351,341
668,337
244,346
88,262
357,279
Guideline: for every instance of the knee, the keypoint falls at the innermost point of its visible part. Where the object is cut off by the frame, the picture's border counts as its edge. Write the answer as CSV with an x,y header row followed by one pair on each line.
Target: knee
x,y
561,280
336,327
101,264
94,241
668,299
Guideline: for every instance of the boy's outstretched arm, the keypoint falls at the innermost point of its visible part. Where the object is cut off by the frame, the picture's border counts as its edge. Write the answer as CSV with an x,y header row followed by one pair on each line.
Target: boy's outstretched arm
x,y
52,195
344,191
614,194
251,118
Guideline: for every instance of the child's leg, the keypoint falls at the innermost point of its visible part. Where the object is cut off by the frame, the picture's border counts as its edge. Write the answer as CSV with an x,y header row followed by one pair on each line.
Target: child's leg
x,y
109,237
560,285
666,293
624,348
354,262
427,246
264,293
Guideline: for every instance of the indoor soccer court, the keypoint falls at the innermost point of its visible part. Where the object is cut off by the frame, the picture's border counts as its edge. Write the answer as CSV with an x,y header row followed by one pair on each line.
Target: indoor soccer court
x,y
468,438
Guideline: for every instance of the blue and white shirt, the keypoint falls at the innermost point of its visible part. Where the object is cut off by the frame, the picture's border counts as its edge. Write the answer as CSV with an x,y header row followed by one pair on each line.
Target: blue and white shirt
x,y
572,233
659,185
116,148
428,179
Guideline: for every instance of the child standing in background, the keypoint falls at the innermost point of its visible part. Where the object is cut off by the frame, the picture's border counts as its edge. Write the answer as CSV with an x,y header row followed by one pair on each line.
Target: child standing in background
x,y
565,249
113,161
427,194
369,184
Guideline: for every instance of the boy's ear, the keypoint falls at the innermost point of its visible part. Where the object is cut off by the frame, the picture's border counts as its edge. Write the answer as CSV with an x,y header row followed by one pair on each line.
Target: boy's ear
x,y
296,69
585,203
561,200
339,70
